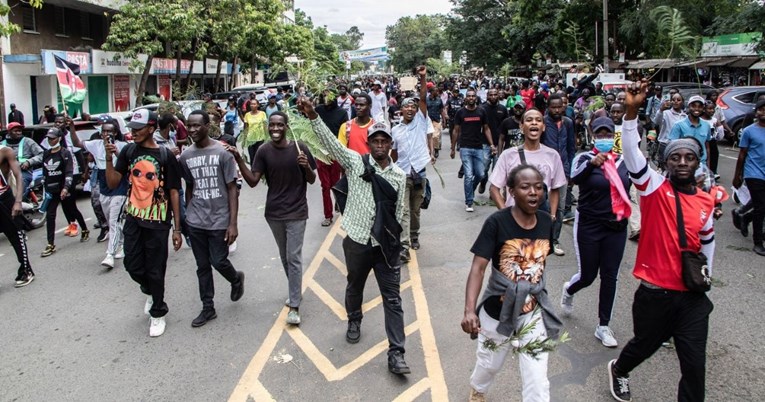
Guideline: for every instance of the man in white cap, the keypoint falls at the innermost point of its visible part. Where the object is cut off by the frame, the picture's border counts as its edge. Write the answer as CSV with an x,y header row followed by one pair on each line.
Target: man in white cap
x,y
379,110
693,126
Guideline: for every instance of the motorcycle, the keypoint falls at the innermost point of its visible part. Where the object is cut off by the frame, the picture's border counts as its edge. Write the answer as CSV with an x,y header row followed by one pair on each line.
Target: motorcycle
x,y
32,217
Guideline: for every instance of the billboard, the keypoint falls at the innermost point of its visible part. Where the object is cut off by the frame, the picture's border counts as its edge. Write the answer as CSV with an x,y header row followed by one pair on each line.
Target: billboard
x,y
373,54
741,44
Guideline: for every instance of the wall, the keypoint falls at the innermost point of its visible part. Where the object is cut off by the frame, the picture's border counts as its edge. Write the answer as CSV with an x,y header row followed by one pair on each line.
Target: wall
x,y
18,89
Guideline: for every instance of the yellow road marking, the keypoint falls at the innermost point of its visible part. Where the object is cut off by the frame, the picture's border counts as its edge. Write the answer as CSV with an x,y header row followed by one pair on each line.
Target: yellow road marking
x,y
250,387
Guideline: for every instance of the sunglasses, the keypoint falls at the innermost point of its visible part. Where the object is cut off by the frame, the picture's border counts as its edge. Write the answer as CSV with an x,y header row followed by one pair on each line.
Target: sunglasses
x,y
149,176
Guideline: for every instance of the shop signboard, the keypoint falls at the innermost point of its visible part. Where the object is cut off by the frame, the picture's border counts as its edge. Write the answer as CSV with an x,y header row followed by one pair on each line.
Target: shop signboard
x,y
80,58
121,89
741,44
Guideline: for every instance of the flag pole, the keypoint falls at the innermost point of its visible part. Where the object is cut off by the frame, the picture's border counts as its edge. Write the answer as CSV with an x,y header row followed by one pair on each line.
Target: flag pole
x,y
63,102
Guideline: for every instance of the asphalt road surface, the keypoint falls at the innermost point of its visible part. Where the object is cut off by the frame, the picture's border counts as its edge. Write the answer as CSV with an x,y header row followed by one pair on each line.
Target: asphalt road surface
x,y
78,332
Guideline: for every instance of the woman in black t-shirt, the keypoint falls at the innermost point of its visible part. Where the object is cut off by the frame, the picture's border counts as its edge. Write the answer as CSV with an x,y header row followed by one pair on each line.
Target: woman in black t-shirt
x,y
517,240
57,175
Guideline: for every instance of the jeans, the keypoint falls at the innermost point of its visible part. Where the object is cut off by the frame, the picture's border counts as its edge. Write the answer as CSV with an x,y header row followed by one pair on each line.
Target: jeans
x,y
634,219
289,239
599,249
658,315
112,206
473,162
146,261
360,259
14,233
536,386
69,205
95,201
210,250
412,201
27,176
328,176
491,162
757,190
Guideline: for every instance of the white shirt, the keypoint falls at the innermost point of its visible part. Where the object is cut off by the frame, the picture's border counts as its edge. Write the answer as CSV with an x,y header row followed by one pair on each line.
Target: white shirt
x,y
379,101
411,143
96,148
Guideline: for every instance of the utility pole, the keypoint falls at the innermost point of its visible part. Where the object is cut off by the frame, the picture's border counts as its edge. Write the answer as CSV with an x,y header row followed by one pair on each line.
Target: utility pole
x,y
605,36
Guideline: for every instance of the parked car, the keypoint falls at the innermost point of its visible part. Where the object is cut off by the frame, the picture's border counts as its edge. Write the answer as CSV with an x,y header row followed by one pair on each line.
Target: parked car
x,y
736,102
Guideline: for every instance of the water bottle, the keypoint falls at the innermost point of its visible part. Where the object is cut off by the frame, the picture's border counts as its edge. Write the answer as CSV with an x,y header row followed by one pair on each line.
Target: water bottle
x,y
44,204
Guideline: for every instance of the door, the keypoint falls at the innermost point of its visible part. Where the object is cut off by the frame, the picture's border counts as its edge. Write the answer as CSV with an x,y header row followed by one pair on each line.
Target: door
x,y
98,94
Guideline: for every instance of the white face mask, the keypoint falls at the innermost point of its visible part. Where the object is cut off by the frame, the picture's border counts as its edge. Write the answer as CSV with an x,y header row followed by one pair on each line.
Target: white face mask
x,y
58,144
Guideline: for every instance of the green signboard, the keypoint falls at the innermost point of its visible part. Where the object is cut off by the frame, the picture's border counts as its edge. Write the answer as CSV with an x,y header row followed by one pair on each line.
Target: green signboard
x,y
741,44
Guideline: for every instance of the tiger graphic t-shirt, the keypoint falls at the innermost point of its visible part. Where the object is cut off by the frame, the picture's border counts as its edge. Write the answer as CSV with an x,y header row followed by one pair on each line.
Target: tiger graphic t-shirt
x,y
517,253
150,178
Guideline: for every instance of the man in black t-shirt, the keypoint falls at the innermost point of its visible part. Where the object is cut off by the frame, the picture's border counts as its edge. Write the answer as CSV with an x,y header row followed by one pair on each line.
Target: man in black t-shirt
x,y
473,133
510,129
154,179
496,113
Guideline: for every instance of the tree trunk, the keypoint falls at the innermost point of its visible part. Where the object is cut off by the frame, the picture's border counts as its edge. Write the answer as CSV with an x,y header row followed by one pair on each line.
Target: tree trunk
x,y
217,73
194,46
144,78
178,58
253,69
233,73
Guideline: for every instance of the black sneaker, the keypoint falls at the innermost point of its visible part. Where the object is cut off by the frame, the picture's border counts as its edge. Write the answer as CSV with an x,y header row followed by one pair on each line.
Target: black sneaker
x,y
103,236
98,225
461,173
25,280
415,243
397,364
736,219
405,256
620,386
354,331
481,187
237,288
203,317
84,235
759,249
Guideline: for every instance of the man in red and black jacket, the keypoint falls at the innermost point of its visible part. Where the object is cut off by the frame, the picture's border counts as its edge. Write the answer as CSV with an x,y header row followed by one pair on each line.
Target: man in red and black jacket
x,y
663,307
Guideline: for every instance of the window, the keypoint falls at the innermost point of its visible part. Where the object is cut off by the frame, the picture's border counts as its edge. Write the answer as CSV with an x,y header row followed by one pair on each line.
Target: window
x,y
28,17
85,26
59,20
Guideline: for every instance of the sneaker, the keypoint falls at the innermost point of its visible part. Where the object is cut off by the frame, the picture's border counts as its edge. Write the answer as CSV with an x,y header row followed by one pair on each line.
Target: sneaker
x,y
147,306
759,249
85,235
157,326
103,236
354,331
49,249
405,256
72,230
98,225
635,236
481,188
237,288
736,219
397,364
620,386
476,396
326,222
557,250
606,336
203,317
568,216
108,262
461,173
469,208
120,254
415,243
566,301
25,280
717,177
293,317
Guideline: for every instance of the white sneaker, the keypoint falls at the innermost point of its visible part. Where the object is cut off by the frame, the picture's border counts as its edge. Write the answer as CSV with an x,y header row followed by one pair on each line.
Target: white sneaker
x,y
469,208
566,301
157,326
108,261
147,306
120,254
604,333
557,250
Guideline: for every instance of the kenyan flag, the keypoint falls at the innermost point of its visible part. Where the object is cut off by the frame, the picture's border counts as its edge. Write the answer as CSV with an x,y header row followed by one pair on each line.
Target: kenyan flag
x,y
72,88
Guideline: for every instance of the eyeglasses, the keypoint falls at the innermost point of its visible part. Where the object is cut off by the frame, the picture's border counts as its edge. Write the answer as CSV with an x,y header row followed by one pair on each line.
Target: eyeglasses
x,y
149,176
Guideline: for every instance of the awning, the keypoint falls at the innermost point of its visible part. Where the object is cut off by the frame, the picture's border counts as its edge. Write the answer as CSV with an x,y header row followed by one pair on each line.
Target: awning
x,y
696,63
651,63
721,62
760,65
743,62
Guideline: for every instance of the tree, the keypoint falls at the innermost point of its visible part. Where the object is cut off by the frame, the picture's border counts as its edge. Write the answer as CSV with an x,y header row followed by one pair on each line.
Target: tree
x,y
7,28
225,19
350,40
413,40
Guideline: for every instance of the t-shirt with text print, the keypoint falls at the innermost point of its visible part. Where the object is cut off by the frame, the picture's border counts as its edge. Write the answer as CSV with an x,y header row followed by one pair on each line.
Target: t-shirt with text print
x,y
149,184
209,170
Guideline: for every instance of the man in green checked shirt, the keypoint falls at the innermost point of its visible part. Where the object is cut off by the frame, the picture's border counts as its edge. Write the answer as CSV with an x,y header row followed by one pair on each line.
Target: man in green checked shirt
x,y
362,252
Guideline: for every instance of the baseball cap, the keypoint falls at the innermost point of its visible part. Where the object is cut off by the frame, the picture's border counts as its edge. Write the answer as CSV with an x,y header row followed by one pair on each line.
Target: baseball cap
x,y
377,82
601,123
379,127
13,106
409,101
521,104
13,125
104,118
141,118
430,85
696,98
53,133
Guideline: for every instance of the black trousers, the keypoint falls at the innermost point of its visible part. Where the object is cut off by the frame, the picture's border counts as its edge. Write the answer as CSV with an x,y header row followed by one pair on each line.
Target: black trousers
x,y
599,249
14,233
360,259
210,250
658,315
146,261
757,190
714,156
69,205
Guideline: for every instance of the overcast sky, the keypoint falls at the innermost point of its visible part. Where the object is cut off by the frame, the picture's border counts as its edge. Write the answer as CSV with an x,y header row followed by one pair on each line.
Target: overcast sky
x,y
371,16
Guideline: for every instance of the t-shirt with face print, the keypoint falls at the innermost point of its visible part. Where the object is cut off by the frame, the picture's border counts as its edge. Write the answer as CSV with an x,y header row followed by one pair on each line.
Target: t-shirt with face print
x,y
149,184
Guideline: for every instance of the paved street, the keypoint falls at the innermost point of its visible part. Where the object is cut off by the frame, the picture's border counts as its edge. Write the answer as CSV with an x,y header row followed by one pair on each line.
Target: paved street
x,y
78,332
